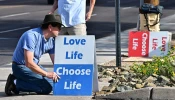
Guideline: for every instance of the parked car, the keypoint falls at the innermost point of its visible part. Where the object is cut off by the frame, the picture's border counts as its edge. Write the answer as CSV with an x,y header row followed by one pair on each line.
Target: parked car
x,y
52,1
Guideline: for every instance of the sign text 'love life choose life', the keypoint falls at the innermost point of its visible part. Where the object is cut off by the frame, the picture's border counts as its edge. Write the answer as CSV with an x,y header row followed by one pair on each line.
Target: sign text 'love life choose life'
x,y
149,44
74,63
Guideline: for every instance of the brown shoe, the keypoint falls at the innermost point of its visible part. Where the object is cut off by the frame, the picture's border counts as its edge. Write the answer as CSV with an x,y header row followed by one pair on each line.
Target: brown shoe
x,y
10,87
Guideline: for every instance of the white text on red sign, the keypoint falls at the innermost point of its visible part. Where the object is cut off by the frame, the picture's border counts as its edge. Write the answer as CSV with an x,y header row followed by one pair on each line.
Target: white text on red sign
x,y
144,38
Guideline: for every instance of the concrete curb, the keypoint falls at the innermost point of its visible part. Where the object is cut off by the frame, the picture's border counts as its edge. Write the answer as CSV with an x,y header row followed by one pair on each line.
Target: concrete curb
x,y
163,93
139,94
157,93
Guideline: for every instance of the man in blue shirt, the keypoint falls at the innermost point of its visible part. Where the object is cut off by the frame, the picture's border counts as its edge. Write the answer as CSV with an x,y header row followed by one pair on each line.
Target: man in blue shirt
x,y
73,15
27,75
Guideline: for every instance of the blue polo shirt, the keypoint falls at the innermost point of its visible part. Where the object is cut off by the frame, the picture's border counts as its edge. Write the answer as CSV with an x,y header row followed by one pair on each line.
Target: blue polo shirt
x,y
72,12
33,40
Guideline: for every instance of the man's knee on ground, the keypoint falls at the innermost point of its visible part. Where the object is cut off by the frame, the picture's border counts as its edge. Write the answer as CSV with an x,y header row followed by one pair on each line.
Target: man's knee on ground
x,y
45,90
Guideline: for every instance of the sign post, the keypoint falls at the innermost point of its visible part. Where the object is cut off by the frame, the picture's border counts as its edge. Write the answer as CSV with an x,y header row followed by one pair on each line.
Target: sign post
x,y
74,63
117,33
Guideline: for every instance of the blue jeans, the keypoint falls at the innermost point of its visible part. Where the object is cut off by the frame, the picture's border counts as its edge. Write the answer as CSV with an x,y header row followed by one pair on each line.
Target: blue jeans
x,y
29,81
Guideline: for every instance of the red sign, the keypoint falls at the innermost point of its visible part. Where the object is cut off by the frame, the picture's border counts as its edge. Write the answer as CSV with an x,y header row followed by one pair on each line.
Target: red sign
x,y
138,44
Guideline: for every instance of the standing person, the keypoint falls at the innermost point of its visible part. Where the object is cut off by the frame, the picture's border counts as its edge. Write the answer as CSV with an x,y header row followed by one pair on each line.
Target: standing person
x,y
73,15
28,75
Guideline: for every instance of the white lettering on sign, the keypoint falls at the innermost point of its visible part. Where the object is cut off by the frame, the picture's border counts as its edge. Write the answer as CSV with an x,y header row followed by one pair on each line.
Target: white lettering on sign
x,y
144,38
154,44
163,43
74,41
72,85
64,71
135,43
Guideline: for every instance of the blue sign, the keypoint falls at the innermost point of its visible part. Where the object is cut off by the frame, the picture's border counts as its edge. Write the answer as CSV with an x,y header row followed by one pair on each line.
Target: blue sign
x,y
76,79
74,63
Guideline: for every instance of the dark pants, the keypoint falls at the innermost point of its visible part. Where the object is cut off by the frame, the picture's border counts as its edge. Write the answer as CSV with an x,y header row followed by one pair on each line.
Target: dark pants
x,y
29,81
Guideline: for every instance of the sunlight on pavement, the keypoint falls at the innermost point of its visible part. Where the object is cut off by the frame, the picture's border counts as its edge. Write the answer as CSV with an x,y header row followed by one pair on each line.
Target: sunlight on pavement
x,y
7,6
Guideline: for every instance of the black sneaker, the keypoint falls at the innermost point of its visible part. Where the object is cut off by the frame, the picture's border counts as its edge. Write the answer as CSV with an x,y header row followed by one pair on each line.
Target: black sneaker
x,y
10,87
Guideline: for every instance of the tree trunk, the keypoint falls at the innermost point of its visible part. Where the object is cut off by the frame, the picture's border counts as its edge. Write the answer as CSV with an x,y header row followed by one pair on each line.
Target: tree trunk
x,y
154,2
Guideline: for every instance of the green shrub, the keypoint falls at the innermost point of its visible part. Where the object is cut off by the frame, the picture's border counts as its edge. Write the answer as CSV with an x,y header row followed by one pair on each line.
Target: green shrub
x,y
159,65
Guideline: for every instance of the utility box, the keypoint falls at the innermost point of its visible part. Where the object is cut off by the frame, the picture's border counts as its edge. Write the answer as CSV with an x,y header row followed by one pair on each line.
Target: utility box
x,y
150,16
149,44
150,22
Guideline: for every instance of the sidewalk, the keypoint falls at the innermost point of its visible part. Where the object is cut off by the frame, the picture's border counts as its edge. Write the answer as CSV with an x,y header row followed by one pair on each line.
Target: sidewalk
x,y
105,51
105,48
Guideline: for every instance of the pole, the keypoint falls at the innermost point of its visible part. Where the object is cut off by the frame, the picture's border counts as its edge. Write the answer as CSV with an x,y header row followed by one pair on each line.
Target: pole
x,y
138,21
117,31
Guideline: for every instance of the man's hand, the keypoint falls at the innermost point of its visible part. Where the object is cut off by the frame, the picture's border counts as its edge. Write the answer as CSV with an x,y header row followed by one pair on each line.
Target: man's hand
x,y
50,13
53,76
88,15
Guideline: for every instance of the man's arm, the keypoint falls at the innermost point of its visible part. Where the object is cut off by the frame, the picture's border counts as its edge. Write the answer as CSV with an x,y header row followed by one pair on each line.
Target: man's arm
x,y
30,64
54,7
91,8
52,57
35,68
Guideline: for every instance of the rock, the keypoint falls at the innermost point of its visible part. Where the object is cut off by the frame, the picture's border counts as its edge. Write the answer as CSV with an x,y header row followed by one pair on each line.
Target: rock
x,y
107,79
150,85
114,76
120,88
127,68
124,73
112,89
105,88
122,78
111,81
165,79
117,71
110,69
102,76
173,79
128,88
115,83
123,83
144,78
150,79
100,69
110,73
139,86
140,81
100,92
134,80
155,75
132,84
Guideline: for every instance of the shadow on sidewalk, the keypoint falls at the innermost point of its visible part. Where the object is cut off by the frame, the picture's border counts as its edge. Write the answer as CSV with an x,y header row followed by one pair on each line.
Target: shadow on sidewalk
x,y
3,95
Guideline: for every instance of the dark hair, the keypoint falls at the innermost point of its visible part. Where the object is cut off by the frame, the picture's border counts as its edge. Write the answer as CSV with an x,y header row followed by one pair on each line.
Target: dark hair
x,y
45,26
